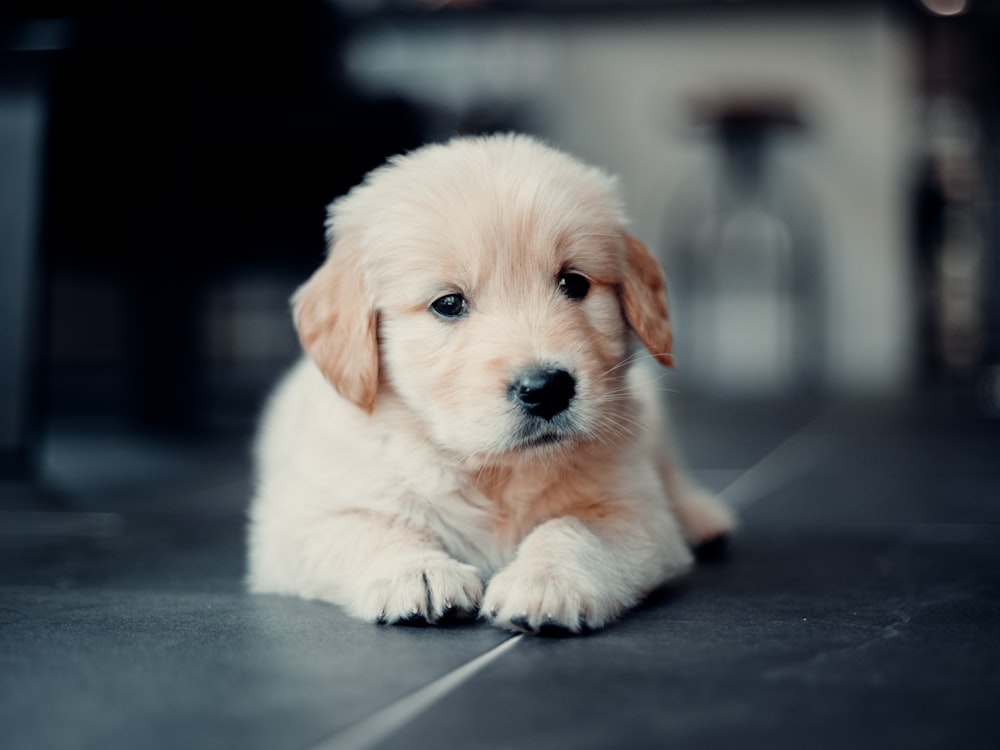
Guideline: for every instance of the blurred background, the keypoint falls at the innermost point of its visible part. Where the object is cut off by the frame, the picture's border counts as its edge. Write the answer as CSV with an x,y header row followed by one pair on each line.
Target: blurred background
x,y
820,179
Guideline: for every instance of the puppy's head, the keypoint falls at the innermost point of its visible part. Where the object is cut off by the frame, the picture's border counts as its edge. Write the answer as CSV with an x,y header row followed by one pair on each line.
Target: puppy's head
x,y
489,286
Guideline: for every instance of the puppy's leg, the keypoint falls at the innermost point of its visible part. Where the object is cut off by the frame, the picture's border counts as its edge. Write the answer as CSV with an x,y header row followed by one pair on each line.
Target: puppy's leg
x,y
702,517
379,568
577,573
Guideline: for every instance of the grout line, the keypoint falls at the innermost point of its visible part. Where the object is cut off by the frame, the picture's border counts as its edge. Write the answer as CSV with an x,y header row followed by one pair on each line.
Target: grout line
x,y
377,727
792,458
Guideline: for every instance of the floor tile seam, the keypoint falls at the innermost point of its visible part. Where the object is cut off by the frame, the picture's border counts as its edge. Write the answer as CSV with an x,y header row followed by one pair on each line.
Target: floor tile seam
x,y
385,722
797,454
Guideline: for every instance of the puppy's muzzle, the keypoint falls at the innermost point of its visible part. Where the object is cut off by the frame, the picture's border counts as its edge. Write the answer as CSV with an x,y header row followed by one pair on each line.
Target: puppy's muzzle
x,y
543,392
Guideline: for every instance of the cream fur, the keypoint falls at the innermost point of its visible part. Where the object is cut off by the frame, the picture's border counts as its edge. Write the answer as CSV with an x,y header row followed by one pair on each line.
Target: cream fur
x,y
397,477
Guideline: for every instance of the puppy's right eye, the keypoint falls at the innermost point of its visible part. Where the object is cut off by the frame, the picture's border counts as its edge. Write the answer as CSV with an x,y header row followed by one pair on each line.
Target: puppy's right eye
x,y
450,306
574,285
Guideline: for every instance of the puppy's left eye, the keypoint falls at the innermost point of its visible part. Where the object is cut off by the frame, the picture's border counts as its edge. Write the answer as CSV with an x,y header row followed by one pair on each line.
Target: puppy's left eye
x,y
574,285
450,306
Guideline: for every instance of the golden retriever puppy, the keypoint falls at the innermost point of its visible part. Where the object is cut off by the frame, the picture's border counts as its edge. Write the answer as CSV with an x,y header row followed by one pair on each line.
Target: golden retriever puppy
x,y
471,431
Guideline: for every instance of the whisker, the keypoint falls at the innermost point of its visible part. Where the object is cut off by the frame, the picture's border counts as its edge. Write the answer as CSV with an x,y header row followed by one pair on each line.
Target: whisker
x,y
631,359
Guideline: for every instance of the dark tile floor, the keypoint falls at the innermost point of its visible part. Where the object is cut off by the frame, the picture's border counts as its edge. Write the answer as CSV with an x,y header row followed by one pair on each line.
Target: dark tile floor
x,y
859,607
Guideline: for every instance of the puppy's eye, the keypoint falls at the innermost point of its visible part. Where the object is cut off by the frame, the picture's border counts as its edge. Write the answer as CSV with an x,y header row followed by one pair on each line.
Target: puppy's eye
x,y
450,306
573,285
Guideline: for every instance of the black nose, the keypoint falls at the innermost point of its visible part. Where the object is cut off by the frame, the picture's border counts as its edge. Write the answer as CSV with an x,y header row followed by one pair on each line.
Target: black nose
x,y
544,392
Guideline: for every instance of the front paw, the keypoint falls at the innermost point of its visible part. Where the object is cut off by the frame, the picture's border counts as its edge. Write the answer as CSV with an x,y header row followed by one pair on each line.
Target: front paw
x,y
423,592
532,597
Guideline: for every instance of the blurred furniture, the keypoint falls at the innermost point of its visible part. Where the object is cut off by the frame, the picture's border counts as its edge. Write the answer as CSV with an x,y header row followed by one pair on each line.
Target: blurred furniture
x,y
750,255
186,142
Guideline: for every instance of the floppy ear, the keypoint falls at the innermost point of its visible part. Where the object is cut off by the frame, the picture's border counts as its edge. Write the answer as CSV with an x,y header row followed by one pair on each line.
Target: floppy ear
x,y
644,300
337,325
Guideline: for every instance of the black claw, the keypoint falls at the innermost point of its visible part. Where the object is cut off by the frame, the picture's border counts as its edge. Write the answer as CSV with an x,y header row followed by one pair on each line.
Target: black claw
x,y
453,615
554,629
521,623
414,620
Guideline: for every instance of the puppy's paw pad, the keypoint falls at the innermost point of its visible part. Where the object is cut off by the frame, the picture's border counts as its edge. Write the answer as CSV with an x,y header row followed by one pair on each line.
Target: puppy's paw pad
x,y
418,594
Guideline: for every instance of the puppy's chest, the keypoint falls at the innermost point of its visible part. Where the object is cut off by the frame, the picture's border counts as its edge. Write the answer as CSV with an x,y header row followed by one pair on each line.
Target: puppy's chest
x,y
480,517
515,505
466,524
481,521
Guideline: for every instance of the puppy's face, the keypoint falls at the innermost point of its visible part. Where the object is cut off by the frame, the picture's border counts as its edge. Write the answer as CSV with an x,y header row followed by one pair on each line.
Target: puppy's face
x,y
511,338
489,285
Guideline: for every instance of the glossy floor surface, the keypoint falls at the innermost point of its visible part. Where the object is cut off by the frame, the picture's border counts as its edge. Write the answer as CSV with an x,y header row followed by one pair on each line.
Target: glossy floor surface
x,y
859,607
